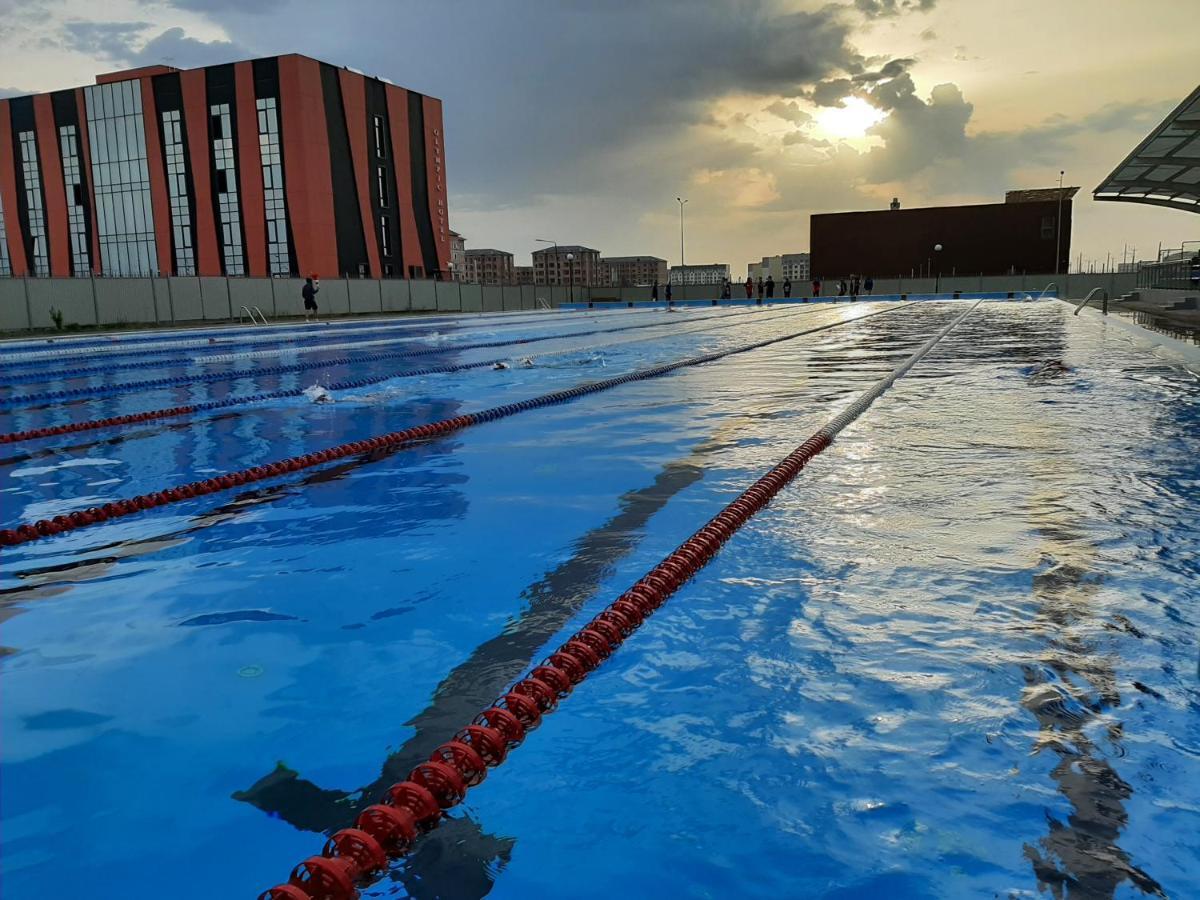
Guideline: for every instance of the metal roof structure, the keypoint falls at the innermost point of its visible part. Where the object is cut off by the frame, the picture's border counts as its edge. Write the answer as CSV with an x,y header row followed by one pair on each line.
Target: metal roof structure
x,y
1164,170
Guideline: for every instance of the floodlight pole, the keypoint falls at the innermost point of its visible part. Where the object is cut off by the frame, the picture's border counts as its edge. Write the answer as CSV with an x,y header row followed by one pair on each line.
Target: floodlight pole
x,y
1058,240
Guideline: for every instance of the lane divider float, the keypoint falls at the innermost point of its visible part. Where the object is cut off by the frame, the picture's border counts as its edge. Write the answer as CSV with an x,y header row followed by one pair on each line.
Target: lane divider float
x,y
211,377
280,343
137,418
387,830
32,531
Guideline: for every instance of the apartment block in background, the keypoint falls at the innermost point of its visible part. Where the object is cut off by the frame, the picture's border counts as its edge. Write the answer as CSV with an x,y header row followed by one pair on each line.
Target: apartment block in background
x,y
631,271
489,267
551,265
786,265
276,166
713,273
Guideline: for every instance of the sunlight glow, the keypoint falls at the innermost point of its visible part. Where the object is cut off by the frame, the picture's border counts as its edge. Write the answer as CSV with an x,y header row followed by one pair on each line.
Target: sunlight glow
x,y
850,120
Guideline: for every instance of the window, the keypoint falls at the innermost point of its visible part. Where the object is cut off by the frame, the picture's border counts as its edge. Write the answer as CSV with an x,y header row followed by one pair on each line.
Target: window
x,y
76,213
33,203
388,270
1047,226
181,209
271,158
120,179
5,263
225,183
385,236
381,185
380,145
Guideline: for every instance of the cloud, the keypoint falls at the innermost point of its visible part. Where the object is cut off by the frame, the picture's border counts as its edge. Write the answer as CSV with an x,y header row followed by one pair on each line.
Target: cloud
x,y
929,35
175,48
110,40
886,8
125,44
789,110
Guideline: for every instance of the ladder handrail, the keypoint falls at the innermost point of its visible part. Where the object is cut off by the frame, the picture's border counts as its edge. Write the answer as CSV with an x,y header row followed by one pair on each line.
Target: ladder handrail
x,y
253,321
260,315
1092,293
1042,295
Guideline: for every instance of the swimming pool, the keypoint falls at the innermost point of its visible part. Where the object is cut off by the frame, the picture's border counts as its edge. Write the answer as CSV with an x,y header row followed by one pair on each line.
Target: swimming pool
x,y
956,657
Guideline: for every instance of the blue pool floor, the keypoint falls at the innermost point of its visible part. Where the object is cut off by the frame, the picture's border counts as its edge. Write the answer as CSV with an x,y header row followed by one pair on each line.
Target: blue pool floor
x,y
957,657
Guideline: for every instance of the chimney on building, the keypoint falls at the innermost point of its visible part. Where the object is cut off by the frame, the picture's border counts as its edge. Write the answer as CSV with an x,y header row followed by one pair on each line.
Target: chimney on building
x,y
895,203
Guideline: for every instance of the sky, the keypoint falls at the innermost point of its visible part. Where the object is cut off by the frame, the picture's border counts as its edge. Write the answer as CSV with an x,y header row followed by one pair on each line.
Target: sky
x,y
582,121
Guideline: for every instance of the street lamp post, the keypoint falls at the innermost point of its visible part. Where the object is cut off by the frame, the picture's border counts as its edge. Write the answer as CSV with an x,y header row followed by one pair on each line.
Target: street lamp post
x,y
1058,222
937,282
681,202
571,274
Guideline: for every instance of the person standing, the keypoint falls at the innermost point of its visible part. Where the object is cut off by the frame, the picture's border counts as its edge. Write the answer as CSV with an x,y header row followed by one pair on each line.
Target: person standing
x,y
787,287
749,287
726,289
760,288
770,287
869,285
309,292
816,287
841,287
654,291
854,284
668,293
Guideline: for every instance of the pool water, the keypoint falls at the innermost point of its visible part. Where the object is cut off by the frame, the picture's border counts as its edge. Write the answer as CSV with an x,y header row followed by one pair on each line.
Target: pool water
x,y
957,657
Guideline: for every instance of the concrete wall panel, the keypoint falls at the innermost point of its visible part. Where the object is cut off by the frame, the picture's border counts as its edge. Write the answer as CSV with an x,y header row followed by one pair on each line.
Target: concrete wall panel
x,y
333,299
395,295
71,295
423,295
472,297
185,299
251,292
492,298
125,300
449,297
214,298
14,314
364,296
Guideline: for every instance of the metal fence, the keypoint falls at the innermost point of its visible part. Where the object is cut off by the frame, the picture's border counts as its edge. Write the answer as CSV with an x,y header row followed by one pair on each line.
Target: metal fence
x,y
1176,269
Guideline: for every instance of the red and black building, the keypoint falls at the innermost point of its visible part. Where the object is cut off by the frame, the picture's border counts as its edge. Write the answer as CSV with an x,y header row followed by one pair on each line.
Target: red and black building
x,y
1029,232
268,167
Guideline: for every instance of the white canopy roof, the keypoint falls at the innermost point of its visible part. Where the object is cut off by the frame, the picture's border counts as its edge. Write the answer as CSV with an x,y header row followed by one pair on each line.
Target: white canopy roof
x,y
1164,170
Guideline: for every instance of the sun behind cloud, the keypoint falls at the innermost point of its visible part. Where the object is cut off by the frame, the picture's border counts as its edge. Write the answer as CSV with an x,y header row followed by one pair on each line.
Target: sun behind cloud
x,y
850,120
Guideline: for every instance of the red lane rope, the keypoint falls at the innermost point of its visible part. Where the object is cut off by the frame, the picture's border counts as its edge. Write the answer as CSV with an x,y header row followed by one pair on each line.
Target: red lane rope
x,y
388,829
32,531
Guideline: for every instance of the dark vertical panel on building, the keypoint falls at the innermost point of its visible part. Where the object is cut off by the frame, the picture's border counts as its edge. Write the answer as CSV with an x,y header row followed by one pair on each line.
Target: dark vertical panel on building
x,y
168,97
221,87
66,112
21,110
420,181
266,84
351,245
377,106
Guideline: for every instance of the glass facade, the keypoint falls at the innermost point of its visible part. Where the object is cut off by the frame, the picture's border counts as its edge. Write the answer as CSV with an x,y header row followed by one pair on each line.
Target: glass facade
x,y
68,140
124,216
225,163
5,264
40,263
175,154
272,172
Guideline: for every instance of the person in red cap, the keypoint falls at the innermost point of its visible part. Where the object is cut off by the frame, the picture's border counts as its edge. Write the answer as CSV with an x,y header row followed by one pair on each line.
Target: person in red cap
x,y
309,293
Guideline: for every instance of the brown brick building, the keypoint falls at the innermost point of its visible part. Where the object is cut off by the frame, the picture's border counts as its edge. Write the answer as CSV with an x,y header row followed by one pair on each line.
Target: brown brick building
x,y
1019,235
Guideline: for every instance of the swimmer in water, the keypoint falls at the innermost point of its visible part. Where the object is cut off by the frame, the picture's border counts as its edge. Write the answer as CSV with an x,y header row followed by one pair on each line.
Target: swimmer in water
x,y
499,366
527,362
